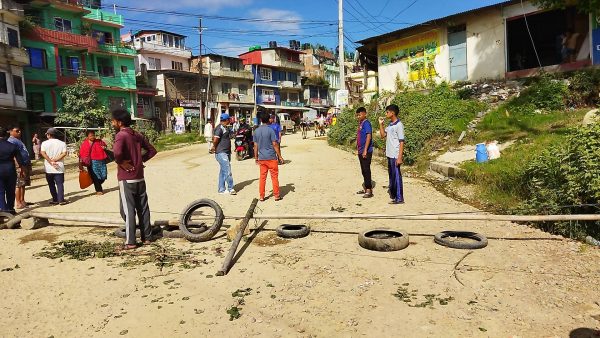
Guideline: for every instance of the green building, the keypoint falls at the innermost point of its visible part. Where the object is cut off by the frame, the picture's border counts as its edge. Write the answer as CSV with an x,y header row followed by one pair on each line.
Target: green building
x,y
67,39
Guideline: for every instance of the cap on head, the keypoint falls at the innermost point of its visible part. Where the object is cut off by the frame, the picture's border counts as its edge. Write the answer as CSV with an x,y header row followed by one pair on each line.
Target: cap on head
x,y
52,131
224,117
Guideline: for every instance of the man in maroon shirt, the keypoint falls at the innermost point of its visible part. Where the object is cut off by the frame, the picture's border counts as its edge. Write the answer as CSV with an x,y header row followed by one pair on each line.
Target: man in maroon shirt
x,y
130,174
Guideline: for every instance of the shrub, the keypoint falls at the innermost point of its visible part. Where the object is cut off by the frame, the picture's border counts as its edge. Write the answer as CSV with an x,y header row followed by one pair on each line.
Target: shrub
x,y
544,93
584,88
146,128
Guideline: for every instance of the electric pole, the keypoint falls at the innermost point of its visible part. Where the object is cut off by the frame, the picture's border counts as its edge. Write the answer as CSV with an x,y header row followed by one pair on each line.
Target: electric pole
x,y
341,43
200,109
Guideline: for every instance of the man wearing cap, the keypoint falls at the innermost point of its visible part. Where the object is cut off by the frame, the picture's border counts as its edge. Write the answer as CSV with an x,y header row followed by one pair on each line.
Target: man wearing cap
x,y
222,148
53,152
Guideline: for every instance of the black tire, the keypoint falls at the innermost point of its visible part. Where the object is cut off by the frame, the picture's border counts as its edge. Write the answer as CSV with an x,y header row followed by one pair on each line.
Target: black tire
x,y
193,235
383,240
292,231
120,232
444,238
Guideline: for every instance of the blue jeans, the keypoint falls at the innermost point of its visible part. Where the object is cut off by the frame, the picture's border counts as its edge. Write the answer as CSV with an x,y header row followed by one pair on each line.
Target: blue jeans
x,y
225,176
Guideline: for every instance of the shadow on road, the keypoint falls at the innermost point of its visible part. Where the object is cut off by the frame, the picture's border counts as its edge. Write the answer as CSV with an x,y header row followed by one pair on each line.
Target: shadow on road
x,y
240,186
286,189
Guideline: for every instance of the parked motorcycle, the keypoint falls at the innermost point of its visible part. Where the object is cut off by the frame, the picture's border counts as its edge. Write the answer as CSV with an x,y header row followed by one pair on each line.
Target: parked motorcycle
x,y
242,144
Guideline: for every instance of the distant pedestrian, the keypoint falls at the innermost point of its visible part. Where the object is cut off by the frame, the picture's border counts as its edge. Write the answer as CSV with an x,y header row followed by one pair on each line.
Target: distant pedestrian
x,y
221,147
364,147
275,126
35,141
24,177
9,154
128,148
394,148
54,152
92,156
208,133
267,155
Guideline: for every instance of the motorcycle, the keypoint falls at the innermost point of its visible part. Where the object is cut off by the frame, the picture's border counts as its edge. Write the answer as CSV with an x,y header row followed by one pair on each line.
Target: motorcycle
x,y
242,145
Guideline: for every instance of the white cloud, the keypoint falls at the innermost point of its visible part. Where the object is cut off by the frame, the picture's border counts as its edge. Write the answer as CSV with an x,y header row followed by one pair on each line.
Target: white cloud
x,y
200,6
278,14
230,48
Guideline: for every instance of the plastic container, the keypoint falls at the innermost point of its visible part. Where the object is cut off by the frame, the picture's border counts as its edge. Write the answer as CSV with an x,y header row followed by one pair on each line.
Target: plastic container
x,y
481,154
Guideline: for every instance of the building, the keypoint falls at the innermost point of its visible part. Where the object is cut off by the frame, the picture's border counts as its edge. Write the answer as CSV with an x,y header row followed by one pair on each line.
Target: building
x,y
503,41
361,82
321,79
13,103
164,77
68,39
277,79
230,86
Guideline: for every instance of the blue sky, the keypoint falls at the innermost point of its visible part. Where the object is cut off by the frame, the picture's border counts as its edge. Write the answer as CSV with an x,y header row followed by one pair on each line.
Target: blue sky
x,y
304,20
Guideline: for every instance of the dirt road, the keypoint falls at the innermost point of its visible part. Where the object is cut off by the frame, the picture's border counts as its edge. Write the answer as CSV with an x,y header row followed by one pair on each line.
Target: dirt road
x,y
525,283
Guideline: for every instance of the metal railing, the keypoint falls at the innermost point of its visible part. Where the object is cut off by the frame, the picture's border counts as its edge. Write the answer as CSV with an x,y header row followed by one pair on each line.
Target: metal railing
x,y
117,49
99,15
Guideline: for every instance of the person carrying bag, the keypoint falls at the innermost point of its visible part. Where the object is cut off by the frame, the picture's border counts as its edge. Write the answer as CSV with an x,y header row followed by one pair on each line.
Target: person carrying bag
x,y
94,162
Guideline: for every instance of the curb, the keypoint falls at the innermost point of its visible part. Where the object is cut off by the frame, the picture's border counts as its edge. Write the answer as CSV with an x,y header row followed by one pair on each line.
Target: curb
x,y
446,169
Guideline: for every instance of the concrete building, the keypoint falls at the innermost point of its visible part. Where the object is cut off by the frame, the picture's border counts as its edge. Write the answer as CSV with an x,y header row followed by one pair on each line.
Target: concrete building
x,y
13,103
321,79
491,42
277,79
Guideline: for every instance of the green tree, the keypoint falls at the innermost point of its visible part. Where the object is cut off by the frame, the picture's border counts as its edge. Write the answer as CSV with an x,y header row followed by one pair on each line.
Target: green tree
x,y
81,107
587,6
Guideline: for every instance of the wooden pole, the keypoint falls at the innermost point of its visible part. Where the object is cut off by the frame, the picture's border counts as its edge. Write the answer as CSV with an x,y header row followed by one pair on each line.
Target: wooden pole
x,y
226,264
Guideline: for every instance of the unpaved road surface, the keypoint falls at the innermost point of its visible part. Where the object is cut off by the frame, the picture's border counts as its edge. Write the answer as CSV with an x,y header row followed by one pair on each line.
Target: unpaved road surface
x,y
524,283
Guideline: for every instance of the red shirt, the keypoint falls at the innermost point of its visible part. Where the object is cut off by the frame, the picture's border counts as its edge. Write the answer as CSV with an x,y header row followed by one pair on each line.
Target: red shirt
x,y
98,153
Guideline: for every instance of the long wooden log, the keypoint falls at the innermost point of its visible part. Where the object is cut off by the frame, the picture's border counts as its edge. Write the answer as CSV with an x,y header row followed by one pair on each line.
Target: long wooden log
x,y
77,218
226,264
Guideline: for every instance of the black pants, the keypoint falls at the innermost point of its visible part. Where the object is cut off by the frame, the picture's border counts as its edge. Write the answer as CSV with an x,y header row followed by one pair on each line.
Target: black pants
x,y
8,184
365,168
56,183
97,181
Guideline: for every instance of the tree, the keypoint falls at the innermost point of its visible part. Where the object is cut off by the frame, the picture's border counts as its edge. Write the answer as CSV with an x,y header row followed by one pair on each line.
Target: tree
x,y
81,107
587,6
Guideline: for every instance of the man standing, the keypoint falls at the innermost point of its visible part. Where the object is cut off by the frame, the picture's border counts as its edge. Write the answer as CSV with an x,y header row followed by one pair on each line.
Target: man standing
x,y
127,149
24,178
208,133
394,148
364,146
221,146
9,154
267,155
275,126
54,152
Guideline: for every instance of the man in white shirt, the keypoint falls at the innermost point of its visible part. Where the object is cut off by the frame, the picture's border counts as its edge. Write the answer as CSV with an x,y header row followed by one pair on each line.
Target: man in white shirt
x,y
54,151
394,149
208,133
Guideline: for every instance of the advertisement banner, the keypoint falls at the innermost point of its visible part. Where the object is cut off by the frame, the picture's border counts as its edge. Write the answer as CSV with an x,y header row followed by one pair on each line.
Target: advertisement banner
x,y
178,112
419,51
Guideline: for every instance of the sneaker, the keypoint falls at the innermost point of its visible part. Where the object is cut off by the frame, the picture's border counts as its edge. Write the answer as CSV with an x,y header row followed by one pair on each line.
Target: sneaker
x,y
64,202
223,192
53,203
232,192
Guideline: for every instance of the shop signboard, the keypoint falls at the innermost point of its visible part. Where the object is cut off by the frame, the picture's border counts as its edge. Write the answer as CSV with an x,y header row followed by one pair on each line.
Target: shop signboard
x,y
178,112
596,39
419,51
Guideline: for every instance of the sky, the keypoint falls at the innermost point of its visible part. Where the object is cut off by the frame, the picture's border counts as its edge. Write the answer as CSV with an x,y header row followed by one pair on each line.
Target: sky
x,y
232,26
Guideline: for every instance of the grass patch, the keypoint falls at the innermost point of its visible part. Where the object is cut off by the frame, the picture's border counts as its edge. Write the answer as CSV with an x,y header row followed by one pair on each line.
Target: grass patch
x,y
168,141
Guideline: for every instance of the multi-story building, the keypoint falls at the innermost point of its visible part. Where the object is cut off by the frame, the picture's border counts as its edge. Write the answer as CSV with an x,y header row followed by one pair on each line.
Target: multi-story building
x,y
230,85
163,64
13,104
321,79
68,39
277,79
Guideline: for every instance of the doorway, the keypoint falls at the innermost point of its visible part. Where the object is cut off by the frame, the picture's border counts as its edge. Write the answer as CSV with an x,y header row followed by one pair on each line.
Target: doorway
x,y
457,43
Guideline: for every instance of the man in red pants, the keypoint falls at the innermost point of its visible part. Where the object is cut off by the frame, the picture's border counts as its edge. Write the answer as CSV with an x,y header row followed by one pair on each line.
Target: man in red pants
x,y
267,155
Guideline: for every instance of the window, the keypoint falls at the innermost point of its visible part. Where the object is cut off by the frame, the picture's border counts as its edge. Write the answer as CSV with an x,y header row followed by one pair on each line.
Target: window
x,y
62,25
176,65
293,97
104,37
116,103
3,87
225,88
266,74
36,101
123,69
268,95
18,85
13,37
37,58
177,42
292,77
234,66
105,67
153,63
243,89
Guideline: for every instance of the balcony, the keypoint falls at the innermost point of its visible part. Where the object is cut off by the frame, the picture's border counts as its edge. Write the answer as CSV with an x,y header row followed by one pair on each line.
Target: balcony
x,y
233,97
63,39
65,5
314,101
68,77
104,17
12,8
13,55
183,52
292,104
116,49
289,85
124,81
242,74
288,64
39,76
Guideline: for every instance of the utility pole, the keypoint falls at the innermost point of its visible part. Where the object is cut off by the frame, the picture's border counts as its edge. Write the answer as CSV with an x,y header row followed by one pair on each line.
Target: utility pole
x,y
200,109
341,43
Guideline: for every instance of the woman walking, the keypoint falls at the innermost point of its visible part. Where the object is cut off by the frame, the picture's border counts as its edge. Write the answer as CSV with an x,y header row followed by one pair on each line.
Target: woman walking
x,y
92,156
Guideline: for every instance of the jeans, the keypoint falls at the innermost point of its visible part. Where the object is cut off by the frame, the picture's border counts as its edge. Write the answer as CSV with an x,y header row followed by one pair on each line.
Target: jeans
x,y
365,168
7,192
56,183
272,167
225,175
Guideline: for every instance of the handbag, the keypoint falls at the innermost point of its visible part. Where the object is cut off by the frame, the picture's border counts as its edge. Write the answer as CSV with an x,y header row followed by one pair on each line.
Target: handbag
x,y
85,179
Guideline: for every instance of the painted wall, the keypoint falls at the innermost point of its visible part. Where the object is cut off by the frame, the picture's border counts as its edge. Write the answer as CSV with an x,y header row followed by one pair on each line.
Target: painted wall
x,y
165,61
7,99
46,91
105,95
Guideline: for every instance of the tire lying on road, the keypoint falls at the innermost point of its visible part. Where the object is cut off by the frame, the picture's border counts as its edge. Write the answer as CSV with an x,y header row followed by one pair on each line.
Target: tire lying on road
x,y
383,240
292,231
120,232
451,239
195,232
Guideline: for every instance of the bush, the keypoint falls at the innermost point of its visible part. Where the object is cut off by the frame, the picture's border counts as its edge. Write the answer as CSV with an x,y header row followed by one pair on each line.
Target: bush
x,y
584,88
146,128
544,93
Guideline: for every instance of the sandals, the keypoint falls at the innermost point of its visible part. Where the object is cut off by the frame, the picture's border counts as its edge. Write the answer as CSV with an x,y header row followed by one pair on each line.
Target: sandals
x,y
128,247
395,202
368,195
361,192
278,198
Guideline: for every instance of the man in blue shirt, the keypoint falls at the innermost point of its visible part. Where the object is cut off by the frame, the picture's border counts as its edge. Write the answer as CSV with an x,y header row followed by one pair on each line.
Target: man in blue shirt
x,y
9,154
364,147
24,178
394,149
275,126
